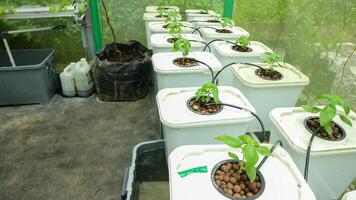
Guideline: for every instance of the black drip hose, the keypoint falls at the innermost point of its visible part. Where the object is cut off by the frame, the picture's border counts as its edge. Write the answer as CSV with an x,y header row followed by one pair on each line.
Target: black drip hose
x,y
195,29
211,70
254,114
279,142
218,40
226,66
199,42
307,159
254,66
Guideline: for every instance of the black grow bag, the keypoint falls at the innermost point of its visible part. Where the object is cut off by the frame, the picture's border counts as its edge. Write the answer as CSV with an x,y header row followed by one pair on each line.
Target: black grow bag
x,y
122,81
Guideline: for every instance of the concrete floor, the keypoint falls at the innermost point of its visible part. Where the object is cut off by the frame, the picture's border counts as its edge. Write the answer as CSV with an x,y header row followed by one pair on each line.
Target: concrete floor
x,y
72,148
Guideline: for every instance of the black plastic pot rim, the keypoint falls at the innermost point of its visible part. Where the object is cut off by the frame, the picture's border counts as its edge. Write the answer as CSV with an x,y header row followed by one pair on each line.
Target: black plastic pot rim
x,y
191,109
341,129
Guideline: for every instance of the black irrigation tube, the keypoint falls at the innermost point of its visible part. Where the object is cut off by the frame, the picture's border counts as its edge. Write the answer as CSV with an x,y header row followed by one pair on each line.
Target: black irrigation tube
x,y
195,29
254,114
199,42
218,40
307,158
279,142
211,70
254,66
226,66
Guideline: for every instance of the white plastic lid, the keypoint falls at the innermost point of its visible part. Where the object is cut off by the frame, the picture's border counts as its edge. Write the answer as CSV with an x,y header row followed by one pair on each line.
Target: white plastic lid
x,y
152,17
350,196
160,40
290,123
152,9
158,27
282,177
172,106
225,49
236,33
198,11
163,63
291,76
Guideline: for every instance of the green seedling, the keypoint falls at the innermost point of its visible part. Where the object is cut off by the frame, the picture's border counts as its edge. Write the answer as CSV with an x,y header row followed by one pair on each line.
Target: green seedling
x,y
243,41
182,45
162,12
226,23
172,16
250,151
175,29
273,59
207,91
329,112
205,7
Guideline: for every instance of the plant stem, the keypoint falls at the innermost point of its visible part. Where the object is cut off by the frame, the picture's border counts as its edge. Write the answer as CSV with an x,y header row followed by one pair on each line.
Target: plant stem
x,y
108,21
343,70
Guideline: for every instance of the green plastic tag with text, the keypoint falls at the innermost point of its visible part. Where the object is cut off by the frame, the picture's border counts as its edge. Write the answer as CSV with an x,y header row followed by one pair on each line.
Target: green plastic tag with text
x,y
202,169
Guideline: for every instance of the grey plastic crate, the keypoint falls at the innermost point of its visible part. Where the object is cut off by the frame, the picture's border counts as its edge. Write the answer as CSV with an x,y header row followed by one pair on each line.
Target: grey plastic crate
x,y
33,80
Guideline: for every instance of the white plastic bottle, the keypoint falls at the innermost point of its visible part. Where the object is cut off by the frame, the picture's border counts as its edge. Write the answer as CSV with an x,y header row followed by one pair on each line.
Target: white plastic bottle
x,y
83,78
67,80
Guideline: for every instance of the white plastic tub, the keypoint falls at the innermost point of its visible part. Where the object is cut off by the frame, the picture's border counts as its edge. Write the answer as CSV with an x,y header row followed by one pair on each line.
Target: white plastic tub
x,y
266,95
191,13
226,55
210,34
157,27
154,9
332,163
282,178
350,195
181,126
150,17
160,44
203,21
168,75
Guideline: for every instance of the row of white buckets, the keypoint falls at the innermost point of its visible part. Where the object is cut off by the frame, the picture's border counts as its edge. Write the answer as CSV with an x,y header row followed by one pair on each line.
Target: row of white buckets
x,y
190,136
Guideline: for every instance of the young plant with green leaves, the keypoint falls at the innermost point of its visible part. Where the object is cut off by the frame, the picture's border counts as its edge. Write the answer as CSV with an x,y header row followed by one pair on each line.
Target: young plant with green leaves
x,y
250,150
243,42
175,29
273,60
206,92
182,45
226,23
329,111
205,7
162,12
172,16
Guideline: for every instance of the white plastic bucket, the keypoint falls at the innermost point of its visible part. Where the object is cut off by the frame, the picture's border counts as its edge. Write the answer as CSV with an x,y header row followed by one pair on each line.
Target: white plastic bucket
x,y
350,196
210,34
154,9
283,181
159,42
226,55
181,126
157,27
266,95
332,163
191,13
203,21
169,75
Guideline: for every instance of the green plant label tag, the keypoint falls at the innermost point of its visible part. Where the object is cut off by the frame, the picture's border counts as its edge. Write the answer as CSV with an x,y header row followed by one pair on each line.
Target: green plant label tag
x,y
202,169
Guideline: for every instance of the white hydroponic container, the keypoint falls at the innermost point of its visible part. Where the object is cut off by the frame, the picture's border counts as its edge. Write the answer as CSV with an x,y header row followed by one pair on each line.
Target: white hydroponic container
x,y
160,44
191,13
350,195
181,126
204,21
226,55
154,9
282,179
210,34
266,95
332,163
169,75
150,17
157,27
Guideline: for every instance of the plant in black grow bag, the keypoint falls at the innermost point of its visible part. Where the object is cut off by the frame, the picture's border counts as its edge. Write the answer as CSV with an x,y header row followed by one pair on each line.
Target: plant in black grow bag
x,y
122,70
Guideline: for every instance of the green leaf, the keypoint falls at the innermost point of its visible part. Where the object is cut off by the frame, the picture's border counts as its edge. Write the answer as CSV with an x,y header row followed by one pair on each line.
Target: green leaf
x,y
328,128
263,151
311,109
230,141
250,154
233,156
327,114
247,139
250,171
345,120
345,106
